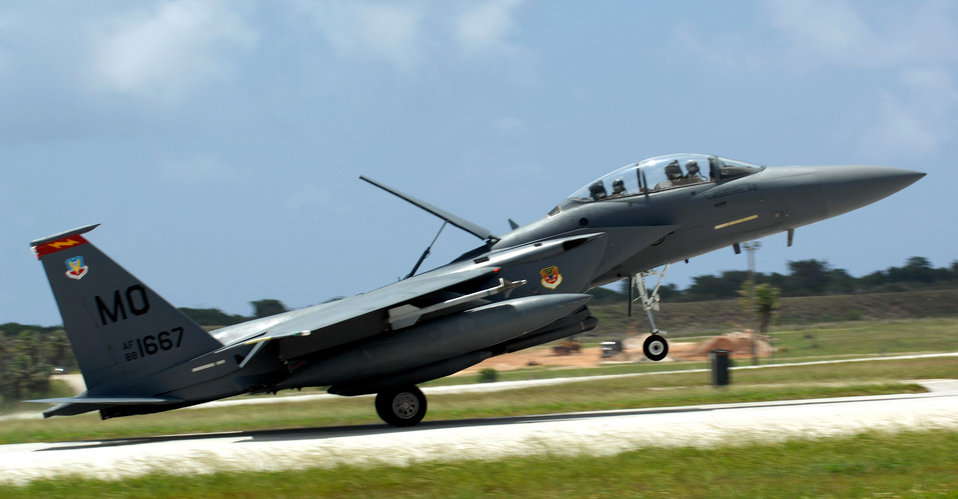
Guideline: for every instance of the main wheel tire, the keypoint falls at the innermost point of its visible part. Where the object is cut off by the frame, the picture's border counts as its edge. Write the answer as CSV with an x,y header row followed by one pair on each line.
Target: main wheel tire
x,y
403,406
655,347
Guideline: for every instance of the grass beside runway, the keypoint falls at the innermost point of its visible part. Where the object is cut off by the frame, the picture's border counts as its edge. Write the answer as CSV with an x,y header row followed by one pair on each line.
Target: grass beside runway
x,y
586,396
908,464
653,390
833,341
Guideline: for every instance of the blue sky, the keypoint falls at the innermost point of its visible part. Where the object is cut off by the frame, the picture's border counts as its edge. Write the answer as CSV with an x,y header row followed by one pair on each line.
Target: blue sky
x,y
219,143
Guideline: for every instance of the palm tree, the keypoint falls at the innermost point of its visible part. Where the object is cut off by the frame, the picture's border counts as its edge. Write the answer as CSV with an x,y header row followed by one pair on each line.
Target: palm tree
x,y
763,301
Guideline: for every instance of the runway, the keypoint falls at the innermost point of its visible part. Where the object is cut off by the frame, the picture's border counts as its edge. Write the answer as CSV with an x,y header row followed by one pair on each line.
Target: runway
x,y
592,433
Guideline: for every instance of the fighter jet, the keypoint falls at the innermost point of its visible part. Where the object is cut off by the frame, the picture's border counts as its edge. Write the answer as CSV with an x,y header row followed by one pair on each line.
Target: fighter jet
x,y
138,354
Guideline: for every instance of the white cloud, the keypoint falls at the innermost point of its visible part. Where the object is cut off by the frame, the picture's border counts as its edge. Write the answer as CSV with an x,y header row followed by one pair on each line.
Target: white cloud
x,y
918,119
916,46
821,32
392,33
169,48
809,34
902,54
729,50
485,28
412,34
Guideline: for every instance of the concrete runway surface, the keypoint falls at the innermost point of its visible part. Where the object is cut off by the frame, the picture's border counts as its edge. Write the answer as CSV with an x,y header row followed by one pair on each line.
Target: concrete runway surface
x,y
592,433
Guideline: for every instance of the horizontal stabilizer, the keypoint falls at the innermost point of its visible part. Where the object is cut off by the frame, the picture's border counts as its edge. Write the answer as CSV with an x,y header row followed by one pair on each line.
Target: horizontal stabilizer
x,y
480,232
109,400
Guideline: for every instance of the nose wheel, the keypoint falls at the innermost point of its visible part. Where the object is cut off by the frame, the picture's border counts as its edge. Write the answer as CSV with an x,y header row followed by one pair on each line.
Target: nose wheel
x,y
655,347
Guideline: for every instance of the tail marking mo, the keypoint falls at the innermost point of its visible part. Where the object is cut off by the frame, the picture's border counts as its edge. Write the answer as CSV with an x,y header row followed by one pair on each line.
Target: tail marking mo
x,y
136,301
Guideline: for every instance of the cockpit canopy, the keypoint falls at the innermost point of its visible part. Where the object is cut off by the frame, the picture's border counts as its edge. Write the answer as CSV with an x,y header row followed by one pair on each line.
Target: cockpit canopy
x,y
660,174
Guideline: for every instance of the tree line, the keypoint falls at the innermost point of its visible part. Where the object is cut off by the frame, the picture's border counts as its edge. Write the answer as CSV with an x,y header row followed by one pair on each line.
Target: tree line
x,y
28,355
216,317
817,278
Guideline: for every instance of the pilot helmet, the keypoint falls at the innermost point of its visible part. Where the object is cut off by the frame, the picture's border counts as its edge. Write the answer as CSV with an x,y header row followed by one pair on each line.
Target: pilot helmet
x,y
673,170
618,186
597,190
692,166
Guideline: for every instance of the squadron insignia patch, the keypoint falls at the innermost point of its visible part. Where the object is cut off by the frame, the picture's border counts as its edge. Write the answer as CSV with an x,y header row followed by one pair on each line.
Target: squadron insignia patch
x,y
76,269
551,278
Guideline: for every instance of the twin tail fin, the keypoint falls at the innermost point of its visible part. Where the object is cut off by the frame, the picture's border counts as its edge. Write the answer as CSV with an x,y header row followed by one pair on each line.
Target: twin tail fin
x,y
120,329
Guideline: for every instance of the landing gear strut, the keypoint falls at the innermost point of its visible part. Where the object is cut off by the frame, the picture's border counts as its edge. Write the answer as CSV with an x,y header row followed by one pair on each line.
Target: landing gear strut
x,y
401,406
655,346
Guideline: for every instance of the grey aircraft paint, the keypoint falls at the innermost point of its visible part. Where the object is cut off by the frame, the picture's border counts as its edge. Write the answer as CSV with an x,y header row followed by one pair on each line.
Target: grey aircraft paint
x,y
139,354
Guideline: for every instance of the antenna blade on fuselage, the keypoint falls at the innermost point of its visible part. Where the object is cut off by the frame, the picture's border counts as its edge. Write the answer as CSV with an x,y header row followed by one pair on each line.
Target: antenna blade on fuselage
x,y
476,230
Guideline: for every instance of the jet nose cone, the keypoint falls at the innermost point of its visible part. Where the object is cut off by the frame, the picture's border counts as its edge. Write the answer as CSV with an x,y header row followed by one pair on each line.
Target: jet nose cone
x,y
849,187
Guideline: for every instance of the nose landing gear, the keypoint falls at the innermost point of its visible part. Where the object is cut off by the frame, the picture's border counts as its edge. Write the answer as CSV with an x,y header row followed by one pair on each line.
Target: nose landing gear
x,y
655,346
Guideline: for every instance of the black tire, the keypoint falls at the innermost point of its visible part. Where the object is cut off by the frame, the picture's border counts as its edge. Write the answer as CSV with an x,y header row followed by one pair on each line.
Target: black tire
x,y
655,347
403,406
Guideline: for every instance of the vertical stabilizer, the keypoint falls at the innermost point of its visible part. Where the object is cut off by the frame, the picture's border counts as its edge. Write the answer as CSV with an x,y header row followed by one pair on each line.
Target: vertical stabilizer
x,y
120,329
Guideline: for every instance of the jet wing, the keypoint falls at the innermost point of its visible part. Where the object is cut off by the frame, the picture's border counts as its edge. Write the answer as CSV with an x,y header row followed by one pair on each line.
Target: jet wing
x,y
349,319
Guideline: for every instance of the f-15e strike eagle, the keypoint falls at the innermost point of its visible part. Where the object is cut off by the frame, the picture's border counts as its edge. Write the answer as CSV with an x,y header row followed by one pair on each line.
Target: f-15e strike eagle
x,y
138,354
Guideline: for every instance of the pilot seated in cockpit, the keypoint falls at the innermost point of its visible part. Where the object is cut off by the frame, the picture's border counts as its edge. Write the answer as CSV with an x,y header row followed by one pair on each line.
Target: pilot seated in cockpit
x,y
692,175
597,191
618,188
674,173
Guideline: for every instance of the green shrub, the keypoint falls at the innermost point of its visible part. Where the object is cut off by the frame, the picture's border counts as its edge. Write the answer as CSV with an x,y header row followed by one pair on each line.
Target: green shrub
x,y
488,375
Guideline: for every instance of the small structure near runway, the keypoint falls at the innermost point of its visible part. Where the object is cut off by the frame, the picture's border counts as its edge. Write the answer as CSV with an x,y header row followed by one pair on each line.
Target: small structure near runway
x,y
720,364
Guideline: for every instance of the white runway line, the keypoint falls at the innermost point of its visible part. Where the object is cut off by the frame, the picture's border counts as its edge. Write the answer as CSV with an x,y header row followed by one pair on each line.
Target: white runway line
x,y
597,433
515,385
506,385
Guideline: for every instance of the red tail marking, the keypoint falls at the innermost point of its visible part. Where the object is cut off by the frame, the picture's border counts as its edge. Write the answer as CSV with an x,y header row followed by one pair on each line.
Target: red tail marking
x,y
58,245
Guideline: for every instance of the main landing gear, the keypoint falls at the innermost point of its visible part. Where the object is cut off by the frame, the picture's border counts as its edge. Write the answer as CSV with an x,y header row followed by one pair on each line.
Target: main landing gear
x,y
655,346
401,406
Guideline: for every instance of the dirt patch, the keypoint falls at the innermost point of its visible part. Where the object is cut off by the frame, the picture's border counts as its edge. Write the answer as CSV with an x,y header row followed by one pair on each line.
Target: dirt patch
x,y
587,357
739,344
